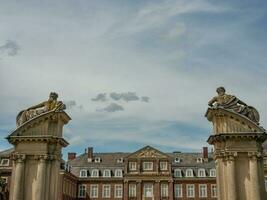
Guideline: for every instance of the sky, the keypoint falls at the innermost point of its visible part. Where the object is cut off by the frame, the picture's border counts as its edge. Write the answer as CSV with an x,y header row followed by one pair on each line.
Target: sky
x,y
132,73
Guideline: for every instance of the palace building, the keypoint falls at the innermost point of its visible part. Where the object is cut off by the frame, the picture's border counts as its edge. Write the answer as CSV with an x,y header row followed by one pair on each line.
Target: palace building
x,y
147,174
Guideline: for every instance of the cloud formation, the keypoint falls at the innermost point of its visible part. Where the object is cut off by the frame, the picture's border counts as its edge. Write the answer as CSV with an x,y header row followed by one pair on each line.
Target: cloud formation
x,y
100,97
126,96
10,48
113,107
70,104
145,99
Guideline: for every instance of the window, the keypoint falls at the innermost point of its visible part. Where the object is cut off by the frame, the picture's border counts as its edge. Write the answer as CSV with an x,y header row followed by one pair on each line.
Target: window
x,y
213,173
4,162
118,191
97,160
190,190
201,173
118,173
132,166
106,191
94,191
164,190
106,173
199,160
148,165
177,173
82,191
178,190
120,160
83,173
132,190
189,173
202,190
163,165
148,190
213,190
177,160
95,173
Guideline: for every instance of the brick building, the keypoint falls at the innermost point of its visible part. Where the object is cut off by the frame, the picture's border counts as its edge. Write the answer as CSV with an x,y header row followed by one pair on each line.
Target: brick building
x,y
147,174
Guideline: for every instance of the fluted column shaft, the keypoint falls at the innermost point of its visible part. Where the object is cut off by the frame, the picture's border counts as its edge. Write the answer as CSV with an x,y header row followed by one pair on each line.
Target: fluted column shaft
x,y
19,174
254,178
39,192
231,178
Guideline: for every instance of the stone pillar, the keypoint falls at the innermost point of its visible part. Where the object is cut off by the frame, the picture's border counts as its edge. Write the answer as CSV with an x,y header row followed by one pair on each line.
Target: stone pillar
x,y
19,177
126,190
218,174
231,185
41,173
157,190
254,177
170,190
139,190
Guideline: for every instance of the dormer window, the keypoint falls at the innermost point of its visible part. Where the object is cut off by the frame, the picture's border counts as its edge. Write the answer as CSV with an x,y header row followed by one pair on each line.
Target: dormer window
x,y
106,173
189,173
177,173
147,165
132,166
83,173
199,160
4,162
213,173
97,160
177,160
95,173
120,160
118,173
201,173
163,166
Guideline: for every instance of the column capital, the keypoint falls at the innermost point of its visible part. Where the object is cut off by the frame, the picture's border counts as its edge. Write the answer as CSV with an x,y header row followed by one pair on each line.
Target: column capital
x,y
18,157
255,155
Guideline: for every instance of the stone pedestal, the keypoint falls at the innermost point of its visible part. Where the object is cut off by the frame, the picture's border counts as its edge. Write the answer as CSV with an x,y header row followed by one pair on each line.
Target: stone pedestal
x,y
238,155
37,157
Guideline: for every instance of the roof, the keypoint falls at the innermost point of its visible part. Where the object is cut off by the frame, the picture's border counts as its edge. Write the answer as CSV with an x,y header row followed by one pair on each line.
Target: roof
x,y
6,153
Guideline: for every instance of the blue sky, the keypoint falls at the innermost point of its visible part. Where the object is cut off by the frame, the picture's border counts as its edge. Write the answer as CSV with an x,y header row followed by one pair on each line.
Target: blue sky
x,y
133,73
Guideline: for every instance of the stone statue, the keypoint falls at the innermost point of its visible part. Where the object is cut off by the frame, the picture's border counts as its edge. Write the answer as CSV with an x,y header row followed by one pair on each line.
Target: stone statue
x,y
46,106
232,103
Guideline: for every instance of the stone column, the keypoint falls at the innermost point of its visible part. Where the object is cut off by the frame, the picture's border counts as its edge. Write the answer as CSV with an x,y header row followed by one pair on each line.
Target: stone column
x,y
19,176
254,177
126,190
170,190
231,178
218,184
139,190
41,172
157,190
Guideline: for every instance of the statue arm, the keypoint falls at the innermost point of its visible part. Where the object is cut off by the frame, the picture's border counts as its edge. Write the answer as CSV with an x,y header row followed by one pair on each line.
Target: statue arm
x,y
37,106
214,99
241,102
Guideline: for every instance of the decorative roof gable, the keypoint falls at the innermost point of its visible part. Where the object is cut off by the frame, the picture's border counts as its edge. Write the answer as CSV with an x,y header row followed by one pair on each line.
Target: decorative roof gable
x,y
148,152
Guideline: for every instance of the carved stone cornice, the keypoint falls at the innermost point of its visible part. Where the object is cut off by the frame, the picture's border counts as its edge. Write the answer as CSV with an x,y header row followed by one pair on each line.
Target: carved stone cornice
x,y
225,155
223,137
39,138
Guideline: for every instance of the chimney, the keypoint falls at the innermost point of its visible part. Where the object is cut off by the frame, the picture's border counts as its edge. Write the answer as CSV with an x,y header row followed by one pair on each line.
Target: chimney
x,y
90,153
71,156
205,153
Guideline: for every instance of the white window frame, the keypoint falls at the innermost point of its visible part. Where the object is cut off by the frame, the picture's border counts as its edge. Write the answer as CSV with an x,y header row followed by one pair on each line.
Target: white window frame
x,y
203,190
97,160
95,171
148,190
201,173
190,190
132,166
3,160
212,172
187,171
94,191
177,160
106,191
118,173
132,190
82,191
118,191
120,160
200,160
147,166
164,190
213,190
178,190
176,172
107,173
83,171
163,165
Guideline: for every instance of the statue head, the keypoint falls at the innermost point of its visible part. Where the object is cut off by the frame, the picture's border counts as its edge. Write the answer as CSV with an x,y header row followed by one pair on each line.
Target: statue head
x,y
220,91
53,96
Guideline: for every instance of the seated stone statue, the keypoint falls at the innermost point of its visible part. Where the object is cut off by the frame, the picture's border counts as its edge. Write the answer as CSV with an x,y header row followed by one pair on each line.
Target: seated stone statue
x,y
46,106
234,104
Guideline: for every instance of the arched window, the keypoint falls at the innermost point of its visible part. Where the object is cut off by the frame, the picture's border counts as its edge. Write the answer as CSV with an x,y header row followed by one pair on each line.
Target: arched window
x,y
83,173
118,173
213,173
201,173
189,173
95,173
106,173
177,173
